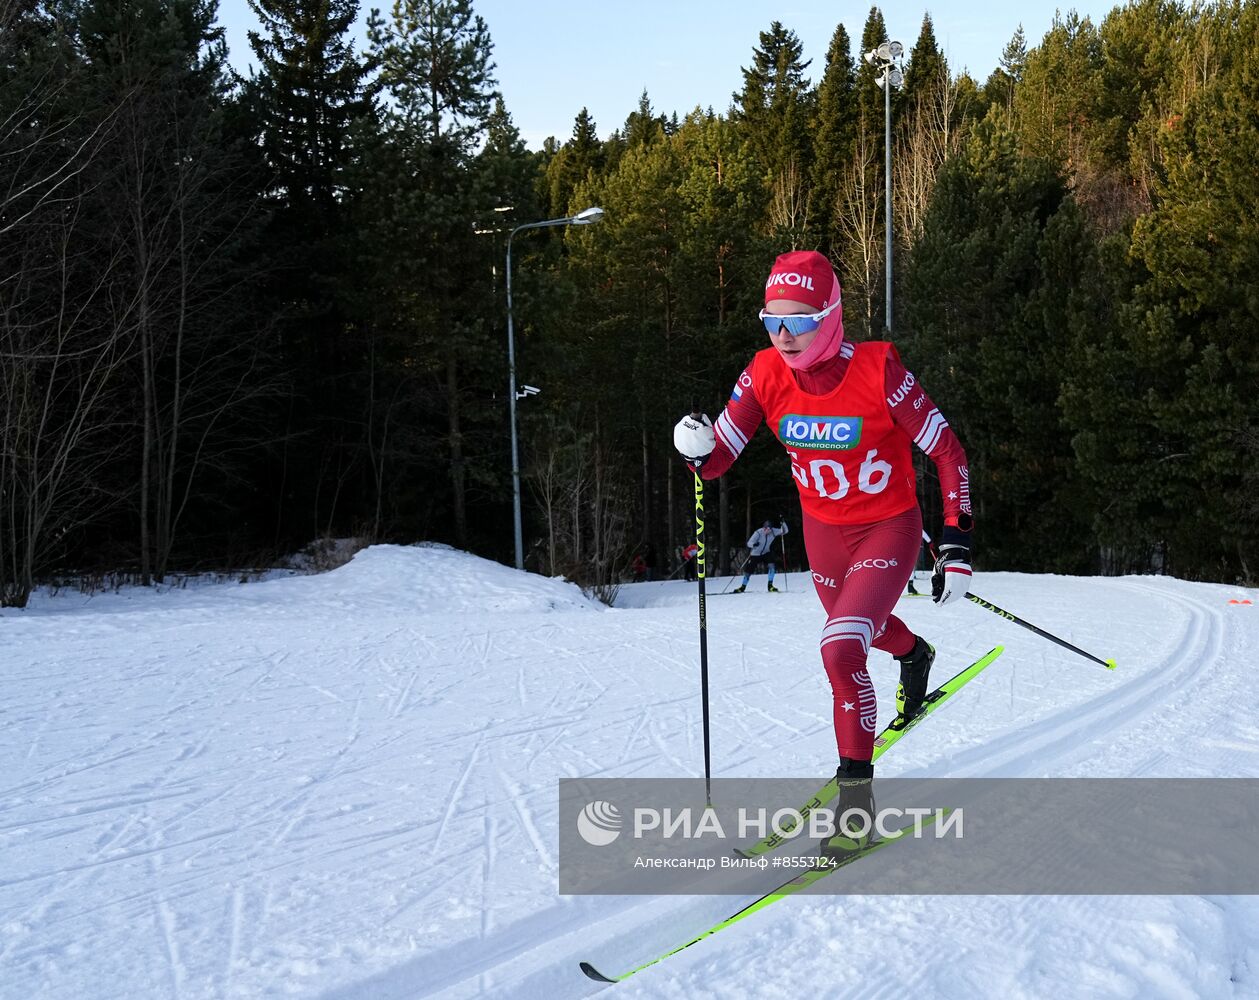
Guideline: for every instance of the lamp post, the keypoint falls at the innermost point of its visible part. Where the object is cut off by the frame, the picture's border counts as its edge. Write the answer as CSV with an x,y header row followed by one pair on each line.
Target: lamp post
x,y
583,218
884,58
501,209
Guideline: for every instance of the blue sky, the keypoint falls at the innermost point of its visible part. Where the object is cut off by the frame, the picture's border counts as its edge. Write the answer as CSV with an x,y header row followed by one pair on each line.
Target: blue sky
x,y
553,58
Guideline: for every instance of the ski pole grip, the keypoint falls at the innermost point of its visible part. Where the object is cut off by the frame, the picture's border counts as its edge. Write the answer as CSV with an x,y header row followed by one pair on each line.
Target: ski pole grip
x,y
697,462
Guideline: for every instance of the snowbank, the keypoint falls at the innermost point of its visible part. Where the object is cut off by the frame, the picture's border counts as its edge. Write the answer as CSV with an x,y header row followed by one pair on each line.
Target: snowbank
x,y
426,578
437,579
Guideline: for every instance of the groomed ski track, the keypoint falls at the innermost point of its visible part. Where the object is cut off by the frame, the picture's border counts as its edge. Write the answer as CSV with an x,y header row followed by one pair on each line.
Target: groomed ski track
x,y
344,786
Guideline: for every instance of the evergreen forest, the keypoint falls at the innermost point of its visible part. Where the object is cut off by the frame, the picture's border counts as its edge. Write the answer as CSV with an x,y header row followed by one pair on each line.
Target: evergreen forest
x,y
238,314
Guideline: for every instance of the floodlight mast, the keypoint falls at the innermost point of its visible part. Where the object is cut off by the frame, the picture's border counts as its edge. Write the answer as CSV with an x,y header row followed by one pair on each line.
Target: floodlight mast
x,y
884,59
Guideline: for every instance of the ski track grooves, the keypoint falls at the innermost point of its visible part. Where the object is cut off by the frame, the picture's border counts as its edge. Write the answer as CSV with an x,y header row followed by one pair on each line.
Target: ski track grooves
x,y
1027,751
1057,739
457,792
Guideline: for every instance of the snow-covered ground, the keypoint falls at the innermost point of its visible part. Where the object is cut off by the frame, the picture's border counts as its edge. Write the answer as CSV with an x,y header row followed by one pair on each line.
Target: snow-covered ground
x,y
345,785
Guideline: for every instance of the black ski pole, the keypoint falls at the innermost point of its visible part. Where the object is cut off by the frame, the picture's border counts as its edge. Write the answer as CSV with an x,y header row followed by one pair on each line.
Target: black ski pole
x,y
989,606
700,573
735,571
782,539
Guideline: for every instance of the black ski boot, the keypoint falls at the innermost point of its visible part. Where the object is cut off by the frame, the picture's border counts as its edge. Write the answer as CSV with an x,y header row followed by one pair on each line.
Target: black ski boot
x,y
854,809
915,668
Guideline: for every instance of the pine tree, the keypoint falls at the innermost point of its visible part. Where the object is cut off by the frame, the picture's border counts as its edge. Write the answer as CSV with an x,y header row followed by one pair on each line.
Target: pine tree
x,y
869,93
927,72
421,204
1195,323
1000,85
435,62
313,117
927,134
773,112
1056,105
1014,55
988,291
573,162
1139,62
723,251
835,122
860,212
307,95
643,126
506,171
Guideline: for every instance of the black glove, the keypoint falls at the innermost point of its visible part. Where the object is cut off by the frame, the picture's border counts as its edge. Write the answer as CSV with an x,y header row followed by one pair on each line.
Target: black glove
x,y
950,579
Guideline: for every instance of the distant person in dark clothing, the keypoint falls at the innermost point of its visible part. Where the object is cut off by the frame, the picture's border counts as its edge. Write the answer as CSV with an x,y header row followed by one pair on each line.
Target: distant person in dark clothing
x,y
649,557
688,561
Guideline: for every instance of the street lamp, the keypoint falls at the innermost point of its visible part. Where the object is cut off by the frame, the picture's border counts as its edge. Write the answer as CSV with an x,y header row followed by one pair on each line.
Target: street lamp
x,y
884,59
583,218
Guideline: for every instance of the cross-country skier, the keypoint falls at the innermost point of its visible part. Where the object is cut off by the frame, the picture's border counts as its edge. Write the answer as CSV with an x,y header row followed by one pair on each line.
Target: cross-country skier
x,y
761,553
846,414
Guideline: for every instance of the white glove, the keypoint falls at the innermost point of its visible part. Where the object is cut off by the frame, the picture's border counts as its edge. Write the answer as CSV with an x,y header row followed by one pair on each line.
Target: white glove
x,y
694,438
951,577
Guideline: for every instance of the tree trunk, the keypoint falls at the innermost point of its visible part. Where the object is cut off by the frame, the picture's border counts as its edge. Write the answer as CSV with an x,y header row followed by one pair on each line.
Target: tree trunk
x,y
146,460
165,514
458,472
723,530
671,506
597,502
646,515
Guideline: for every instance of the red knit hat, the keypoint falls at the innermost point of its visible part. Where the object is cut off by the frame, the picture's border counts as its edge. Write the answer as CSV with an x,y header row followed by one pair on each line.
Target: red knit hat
x,y
802,276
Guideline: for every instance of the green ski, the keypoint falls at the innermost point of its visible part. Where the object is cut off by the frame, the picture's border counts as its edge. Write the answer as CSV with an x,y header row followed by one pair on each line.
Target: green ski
x,y
788,888
886,739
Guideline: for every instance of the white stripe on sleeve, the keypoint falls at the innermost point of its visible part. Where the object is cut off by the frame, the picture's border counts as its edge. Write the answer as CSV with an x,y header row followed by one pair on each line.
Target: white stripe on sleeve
x,y
731,436
929,436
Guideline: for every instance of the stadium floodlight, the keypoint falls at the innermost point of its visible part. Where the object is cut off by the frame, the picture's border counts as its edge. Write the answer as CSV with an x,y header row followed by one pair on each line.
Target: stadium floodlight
x,y
884,59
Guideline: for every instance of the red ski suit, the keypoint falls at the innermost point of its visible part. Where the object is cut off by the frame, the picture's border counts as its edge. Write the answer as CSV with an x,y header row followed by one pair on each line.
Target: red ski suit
x,y
847,425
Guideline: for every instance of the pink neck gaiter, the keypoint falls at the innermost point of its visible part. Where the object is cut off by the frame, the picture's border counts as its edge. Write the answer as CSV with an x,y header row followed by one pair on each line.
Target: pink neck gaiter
x,y
829,337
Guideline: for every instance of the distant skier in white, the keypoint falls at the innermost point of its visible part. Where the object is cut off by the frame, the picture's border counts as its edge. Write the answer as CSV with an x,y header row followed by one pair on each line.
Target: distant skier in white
x,y
761,547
